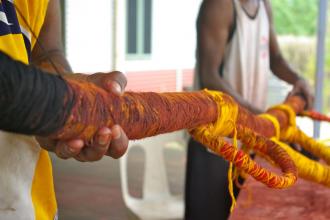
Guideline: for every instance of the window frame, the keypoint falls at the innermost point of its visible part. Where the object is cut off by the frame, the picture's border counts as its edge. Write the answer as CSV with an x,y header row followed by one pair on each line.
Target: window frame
x,y
140,32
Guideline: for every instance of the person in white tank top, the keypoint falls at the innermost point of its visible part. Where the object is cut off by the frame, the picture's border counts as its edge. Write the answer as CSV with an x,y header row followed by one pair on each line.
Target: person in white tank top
x,y
236,51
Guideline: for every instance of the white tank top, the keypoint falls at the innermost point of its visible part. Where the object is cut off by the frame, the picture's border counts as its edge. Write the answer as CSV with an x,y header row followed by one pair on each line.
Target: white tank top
x,y
246,64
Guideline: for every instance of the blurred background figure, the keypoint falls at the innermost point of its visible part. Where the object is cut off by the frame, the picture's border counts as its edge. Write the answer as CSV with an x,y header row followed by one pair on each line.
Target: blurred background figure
x,y
236,51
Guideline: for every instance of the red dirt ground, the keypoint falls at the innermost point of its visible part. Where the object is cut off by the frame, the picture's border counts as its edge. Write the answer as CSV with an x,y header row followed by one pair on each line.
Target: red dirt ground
x,y
303,201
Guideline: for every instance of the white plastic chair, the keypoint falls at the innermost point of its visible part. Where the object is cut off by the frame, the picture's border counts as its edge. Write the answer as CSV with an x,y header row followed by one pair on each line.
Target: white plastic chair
x,y
157,202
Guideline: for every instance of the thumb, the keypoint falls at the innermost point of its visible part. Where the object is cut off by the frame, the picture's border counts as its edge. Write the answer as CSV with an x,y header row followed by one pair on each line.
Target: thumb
x,y
114,82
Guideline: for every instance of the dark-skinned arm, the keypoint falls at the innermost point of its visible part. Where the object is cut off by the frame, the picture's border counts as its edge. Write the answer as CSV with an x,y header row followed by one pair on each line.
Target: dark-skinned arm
x,y
282,69
48,50
49,53
213,27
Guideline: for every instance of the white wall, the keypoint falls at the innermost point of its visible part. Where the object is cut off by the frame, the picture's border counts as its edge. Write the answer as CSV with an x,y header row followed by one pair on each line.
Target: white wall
x,y
89,32
173,36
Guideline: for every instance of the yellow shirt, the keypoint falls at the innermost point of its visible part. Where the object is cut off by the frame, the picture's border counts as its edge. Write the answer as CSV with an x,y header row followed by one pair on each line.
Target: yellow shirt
x,y
26,181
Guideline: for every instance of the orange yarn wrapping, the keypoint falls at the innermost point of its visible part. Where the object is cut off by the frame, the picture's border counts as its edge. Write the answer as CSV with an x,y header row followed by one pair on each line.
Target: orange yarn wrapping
x,y
265,127
139,114
226,126
147,114
243,162
315,115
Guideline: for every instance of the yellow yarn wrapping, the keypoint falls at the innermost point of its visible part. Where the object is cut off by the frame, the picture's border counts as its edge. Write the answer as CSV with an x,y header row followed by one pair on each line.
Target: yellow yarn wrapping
x,y
289,111
211,135
268,149
294,135
224,126
307,169
275,123
230,176
318,149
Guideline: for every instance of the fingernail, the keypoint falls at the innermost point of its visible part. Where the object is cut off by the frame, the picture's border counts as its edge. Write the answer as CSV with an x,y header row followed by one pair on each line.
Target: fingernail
x,y
103,139
114,86
69,149
75,144
116,132
104,131
104,135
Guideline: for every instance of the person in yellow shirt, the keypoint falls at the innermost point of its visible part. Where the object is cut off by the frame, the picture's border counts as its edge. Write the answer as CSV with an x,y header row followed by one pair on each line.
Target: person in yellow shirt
x,y
30,32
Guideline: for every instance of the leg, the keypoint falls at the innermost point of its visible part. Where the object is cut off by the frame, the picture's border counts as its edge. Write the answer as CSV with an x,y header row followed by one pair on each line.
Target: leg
x,y
207,195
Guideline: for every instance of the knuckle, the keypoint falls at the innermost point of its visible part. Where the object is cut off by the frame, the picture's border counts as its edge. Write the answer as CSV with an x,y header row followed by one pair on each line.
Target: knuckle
x,y
122,151
62,156
118,151
98,157
120,78
94,156
80,157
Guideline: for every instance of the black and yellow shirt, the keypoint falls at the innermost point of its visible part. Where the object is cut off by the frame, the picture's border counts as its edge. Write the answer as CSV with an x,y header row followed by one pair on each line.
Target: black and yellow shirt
x,y
26,181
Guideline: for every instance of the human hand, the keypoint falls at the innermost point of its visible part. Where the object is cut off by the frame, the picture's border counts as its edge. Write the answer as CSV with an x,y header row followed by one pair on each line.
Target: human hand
x,y
301,87
255,110
107,141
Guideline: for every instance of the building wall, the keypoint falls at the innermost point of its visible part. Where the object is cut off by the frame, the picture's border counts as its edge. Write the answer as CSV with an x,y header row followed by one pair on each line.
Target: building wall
x,y
160,80
173,36
92,30
89,35
170,66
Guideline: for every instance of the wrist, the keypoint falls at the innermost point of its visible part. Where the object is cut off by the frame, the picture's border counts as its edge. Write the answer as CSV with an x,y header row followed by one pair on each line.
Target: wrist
x,y
254,109
296,79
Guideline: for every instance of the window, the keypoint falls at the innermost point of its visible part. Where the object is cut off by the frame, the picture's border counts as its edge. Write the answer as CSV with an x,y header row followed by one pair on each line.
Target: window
x,y
138,41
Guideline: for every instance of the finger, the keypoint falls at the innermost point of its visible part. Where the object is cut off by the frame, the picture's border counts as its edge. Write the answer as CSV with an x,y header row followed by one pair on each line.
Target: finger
x,y
313,101
46,143
113,86
295,91
112,82
310,102
98,148
119,142
288,95
68,149
115,82
311,98
80,157
308,97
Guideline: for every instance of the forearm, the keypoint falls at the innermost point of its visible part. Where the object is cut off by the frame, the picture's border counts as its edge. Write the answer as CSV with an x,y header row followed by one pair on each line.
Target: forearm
x,y
52,61
217,83
38,103
48,53
31,101
283,71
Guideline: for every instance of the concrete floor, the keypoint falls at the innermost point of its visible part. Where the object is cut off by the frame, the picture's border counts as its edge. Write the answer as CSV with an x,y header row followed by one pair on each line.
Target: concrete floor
x,y
92,191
